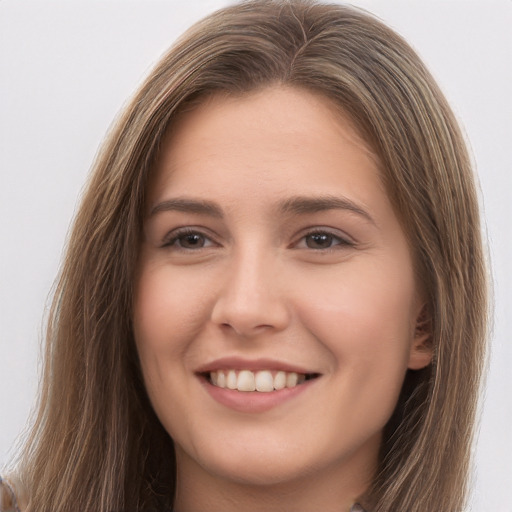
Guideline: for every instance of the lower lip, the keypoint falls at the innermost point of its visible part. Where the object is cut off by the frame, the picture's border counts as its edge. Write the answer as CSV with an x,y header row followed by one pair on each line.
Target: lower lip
x,y
254,401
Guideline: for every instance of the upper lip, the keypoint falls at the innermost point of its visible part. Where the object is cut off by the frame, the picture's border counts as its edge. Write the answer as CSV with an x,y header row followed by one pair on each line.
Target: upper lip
x,y
238,363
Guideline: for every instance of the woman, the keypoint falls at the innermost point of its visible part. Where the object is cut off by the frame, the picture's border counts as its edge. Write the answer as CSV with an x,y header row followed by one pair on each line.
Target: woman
x,y
286,205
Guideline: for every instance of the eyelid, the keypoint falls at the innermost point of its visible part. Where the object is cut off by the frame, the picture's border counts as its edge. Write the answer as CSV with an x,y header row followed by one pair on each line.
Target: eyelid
x,y
170,239
344,239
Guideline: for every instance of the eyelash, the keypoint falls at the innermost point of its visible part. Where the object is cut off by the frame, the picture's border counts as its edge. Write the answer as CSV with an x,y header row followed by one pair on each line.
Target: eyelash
x,y
182,233
341,241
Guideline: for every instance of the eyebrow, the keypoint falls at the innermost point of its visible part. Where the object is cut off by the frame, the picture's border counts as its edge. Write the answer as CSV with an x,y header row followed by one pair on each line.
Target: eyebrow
x,y
299,205
199,206
303,205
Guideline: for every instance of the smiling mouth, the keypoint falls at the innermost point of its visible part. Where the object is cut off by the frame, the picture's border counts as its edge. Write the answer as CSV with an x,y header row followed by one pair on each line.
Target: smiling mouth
x,y
264,381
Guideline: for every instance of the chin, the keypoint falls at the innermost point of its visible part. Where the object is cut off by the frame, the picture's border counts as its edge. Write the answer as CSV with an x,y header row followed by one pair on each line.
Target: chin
x,y
261,462
260,470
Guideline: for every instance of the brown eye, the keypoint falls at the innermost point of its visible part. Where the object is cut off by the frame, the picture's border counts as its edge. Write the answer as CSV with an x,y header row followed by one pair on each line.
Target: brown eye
x,y
188,240
191,241
321,240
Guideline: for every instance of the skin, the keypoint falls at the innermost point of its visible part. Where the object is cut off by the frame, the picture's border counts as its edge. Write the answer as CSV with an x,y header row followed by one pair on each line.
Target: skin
x,y
252,281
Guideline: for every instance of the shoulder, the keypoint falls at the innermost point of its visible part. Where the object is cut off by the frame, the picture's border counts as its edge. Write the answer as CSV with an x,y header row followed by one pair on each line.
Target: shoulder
x,y
8,501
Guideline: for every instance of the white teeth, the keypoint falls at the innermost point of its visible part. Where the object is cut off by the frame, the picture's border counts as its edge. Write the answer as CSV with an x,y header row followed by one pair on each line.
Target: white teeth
x,y
231,380
263,381
291,379
246,381
280,380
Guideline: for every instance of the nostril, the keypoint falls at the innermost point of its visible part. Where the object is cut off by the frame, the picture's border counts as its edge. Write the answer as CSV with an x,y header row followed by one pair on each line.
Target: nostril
x,y
245,329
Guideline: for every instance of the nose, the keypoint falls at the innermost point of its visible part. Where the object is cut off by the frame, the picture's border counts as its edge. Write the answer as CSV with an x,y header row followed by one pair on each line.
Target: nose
x,y
252,298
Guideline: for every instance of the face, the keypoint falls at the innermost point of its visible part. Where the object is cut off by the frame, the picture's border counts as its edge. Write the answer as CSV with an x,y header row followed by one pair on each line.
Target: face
x,y
272,259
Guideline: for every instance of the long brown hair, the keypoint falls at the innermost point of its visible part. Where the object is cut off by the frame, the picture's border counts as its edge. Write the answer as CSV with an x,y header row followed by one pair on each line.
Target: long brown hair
x,y
96,444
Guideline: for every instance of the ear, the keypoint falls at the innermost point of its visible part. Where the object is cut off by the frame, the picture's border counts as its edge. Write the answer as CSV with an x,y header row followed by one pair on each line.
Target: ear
x,y
420,354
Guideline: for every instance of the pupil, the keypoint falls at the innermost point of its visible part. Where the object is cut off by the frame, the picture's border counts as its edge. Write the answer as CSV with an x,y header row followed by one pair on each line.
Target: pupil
x,y
192,240
320,240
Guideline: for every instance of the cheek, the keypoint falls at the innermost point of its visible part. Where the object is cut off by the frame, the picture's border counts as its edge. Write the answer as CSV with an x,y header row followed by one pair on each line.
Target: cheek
x,y
168,306
366,304
169,310
364,316
364,322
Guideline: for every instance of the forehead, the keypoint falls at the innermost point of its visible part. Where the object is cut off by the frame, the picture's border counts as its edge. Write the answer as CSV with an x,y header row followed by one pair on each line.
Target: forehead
x,y
262,137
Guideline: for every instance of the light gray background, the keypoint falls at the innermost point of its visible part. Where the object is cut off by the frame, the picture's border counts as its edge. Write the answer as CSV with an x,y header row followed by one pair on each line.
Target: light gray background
x,y
67,67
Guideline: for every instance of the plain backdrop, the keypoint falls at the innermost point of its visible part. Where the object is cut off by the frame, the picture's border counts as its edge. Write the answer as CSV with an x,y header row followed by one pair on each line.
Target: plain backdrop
x,y
67,67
